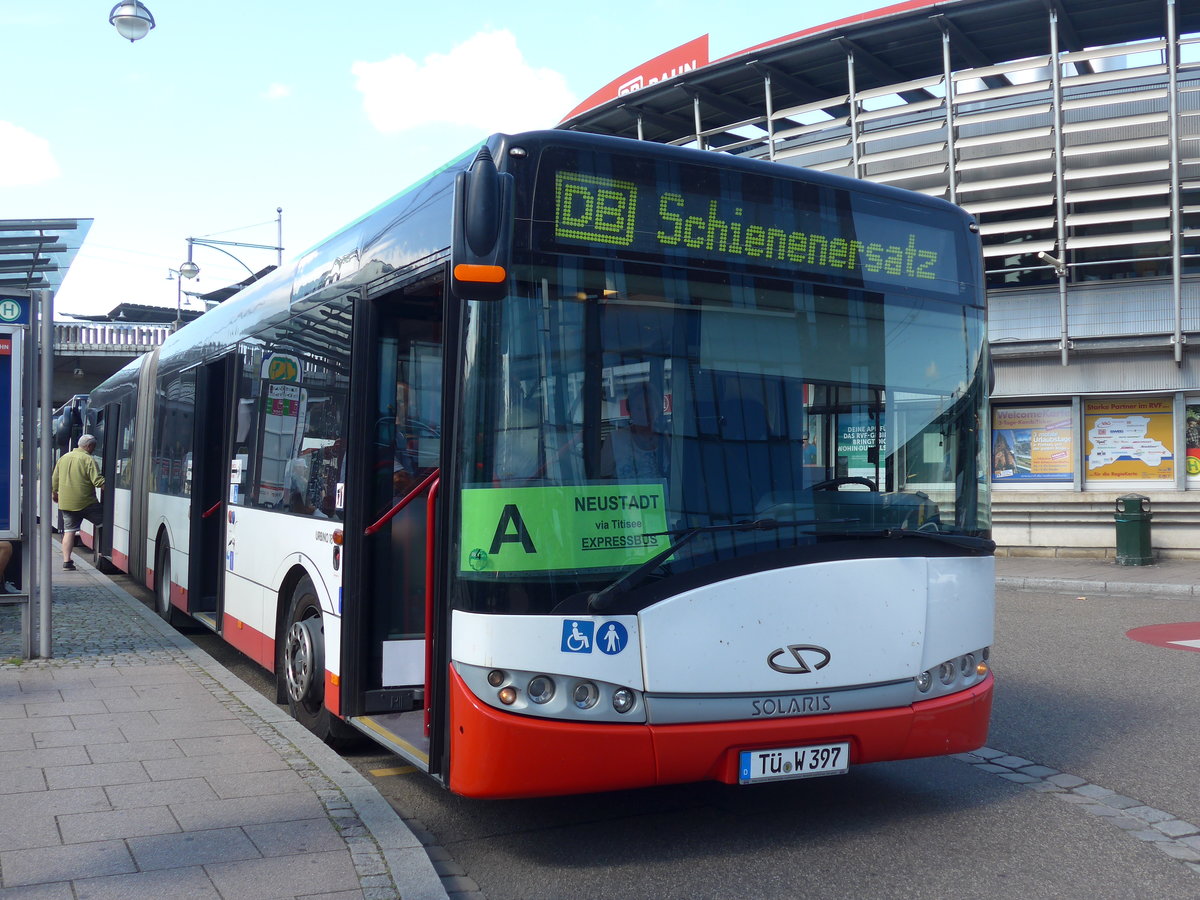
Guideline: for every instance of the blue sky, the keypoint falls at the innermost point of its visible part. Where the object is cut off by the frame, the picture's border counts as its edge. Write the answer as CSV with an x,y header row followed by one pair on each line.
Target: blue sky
x,y
325,109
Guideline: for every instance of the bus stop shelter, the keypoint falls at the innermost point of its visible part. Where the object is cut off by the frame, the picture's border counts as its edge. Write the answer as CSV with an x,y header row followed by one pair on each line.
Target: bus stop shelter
x,y
35,255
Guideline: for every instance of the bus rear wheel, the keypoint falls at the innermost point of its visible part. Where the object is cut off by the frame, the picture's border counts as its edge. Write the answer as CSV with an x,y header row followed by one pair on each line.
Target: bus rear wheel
x,y
302,666
162,586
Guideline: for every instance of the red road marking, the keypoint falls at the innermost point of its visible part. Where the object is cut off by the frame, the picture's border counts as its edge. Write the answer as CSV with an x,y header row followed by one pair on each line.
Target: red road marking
x,y
1177,636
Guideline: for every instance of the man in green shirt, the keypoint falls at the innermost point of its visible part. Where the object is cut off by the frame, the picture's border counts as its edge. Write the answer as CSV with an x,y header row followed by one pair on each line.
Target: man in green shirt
x,y
73,486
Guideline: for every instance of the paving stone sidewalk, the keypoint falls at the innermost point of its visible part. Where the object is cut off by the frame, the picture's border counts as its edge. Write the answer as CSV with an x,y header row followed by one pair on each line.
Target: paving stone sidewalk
x,y
133,765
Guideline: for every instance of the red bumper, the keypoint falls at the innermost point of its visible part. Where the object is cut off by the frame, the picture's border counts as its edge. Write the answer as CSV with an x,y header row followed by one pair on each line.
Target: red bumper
x,y
498,754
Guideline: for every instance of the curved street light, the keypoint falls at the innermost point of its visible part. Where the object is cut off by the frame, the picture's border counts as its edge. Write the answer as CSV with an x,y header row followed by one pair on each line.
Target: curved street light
x,y
190,270
131,19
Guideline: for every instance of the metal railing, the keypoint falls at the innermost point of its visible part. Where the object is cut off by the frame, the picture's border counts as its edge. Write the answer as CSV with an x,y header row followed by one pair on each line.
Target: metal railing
x,y
108,337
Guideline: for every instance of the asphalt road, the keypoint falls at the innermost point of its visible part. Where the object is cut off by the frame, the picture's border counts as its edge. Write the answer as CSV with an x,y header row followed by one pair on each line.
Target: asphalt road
x,y
1074,695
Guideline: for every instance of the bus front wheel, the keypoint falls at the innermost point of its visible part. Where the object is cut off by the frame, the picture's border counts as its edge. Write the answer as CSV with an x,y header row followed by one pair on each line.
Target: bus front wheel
x,y
304,658
303,667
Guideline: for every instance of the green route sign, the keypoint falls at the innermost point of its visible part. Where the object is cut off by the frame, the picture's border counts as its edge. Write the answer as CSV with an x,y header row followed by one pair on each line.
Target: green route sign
x,y
542,529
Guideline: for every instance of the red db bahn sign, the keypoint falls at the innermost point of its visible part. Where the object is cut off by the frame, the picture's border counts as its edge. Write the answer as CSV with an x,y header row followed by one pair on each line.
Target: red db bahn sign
x,y
1179,636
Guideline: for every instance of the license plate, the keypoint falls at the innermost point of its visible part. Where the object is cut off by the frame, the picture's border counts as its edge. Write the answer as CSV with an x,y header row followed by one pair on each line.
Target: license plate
x,y
793,762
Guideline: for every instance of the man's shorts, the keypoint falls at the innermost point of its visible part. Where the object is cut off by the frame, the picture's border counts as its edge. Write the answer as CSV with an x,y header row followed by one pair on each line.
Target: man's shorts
x,y
73,519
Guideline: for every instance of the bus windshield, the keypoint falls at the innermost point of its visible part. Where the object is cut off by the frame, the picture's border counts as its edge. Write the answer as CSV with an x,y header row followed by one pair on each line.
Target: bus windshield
x,y
612,406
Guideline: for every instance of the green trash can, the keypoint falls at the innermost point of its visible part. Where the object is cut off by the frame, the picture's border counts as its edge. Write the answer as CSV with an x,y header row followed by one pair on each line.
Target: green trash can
x,y
1133,530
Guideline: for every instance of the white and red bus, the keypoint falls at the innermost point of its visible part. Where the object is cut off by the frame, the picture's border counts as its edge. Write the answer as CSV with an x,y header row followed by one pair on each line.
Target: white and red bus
x,y
589,464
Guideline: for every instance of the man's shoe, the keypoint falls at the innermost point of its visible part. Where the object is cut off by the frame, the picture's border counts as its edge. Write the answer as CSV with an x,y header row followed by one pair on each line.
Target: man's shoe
x,y
69,565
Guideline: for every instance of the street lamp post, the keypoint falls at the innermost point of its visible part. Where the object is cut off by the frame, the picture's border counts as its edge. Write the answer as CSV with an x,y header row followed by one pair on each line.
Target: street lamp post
x,y
177,276
188,269
131,19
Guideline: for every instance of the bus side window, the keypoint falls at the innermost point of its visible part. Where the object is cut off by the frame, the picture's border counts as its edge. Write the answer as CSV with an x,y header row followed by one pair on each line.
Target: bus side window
x,y
314,474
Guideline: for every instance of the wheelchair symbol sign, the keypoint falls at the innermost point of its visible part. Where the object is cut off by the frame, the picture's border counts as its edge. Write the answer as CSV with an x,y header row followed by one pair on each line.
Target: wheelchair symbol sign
x,y
577,635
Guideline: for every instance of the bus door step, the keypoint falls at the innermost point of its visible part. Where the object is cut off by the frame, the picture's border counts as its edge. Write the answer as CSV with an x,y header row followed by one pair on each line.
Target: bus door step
x,y
394,700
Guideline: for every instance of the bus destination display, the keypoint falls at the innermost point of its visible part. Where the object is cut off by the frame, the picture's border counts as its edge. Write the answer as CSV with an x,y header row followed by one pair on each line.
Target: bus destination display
x,y
782,228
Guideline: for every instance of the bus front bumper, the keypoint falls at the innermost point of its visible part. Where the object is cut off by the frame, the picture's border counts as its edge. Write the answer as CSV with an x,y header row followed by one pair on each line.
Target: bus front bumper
x,y
496,754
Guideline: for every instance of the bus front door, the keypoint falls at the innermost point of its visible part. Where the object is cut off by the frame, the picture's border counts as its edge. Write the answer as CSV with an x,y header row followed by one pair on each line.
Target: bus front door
x,y
402,410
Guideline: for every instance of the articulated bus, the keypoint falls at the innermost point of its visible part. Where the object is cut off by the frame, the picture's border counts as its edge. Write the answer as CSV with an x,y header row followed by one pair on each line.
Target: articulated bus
x,y
588,464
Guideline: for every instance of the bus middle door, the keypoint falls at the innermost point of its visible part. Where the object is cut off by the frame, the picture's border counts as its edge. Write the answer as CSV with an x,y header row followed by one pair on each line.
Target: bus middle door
x,y
211,480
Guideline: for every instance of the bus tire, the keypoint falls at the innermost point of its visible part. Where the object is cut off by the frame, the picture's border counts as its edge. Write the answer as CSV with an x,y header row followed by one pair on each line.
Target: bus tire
x,y
162,586
302,667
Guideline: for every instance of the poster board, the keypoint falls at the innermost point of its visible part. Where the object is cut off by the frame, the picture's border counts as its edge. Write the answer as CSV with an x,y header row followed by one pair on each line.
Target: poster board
x,y
10,432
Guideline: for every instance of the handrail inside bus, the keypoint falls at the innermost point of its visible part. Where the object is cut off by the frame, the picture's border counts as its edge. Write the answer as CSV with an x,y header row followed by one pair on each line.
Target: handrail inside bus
x,y
208,512
430,551
407,499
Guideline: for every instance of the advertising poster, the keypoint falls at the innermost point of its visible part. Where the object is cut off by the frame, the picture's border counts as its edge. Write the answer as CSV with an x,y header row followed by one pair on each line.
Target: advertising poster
x,y
9,440
1192,431
858,445
1032,444
1129,440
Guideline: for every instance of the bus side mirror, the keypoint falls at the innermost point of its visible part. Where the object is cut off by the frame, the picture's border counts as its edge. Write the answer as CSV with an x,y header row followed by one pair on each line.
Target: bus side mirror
x,y
481,242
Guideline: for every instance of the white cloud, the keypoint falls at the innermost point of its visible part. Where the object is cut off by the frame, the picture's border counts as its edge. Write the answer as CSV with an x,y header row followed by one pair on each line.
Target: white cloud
x,y
483,83
25,158
277,91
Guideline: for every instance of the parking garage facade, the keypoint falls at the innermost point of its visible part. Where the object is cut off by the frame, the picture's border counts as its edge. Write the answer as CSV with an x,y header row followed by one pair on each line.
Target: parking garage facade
x,y
1071,130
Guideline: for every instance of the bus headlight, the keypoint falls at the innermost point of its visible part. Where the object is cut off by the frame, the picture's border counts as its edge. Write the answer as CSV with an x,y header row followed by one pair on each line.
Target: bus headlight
x,y
957,674
541,689
554,695
623,700
585,695
946,673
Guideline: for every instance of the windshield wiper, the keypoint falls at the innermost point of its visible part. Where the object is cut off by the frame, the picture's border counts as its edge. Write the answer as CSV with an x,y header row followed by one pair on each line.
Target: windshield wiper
x,y
603,600
966,541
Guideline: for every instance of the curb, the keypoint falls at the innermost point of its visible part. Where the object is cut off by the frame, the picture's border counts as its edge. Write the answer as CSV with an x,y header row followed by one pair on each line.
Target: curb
x,y
1096,587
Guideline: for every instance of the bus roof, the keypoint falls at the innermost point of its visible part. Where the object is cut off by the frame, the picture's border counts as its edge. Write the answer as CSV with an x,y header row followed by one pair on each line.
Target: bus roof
x,y
380,243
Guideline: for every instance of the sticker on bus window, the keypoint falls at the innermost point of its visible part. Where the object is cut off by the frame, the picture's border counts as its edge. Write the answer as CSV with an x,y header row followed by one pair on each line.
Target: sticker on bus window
x,y
541,529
